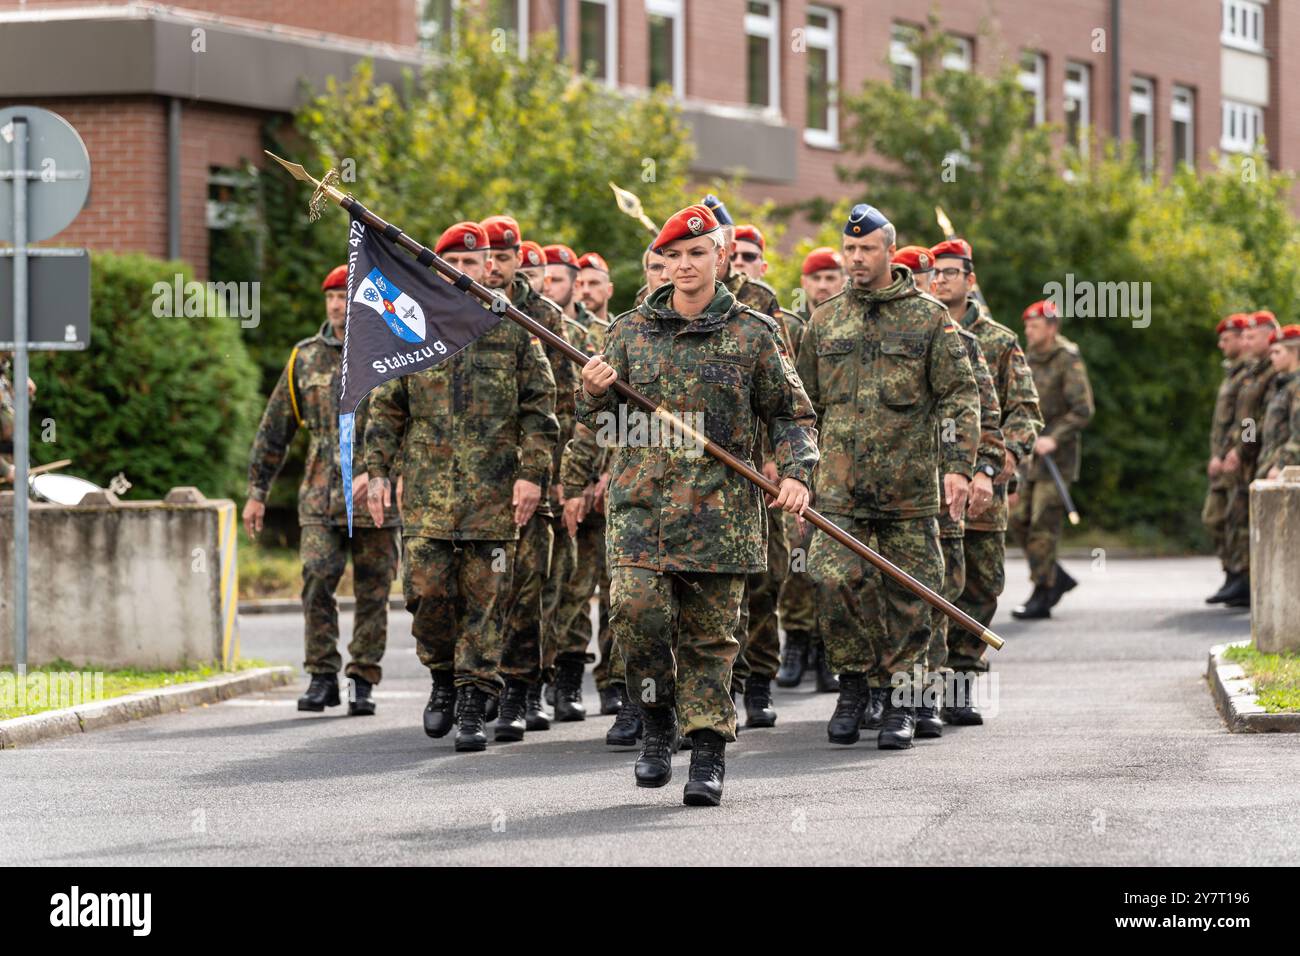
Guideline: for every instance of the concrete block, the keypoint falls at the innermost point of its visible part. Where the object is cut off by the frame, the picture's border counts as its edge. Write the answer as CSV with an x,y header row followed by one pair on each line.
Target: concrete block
x,y
1275,563
134,584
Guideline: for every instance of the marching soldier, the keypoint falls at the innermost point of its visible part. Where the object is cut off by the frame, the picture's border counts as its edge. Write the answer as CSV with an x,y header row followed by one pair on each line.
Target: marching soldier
x,y
1214,514
1281,445
1243,448
891,383
683,530
475,436
1065,398
984,540
530,605
307,396
822,276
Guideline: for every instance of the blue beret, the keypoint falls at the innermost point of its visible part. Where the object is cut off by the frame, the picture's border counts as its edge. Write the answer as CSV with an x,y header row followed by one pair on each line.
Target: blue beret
x,y
863,220
719,210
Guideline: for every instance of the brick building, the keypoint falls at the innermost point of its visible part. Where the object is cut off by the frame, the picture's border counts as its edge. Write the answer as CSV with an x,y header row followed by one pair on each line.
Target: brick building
x,y
172,99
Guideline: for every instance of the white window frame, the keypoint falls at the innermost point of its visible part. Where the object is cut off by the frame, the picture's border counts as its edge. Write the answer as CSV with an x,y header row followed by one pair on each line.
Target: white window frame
x,y
677,10
1080,93
1243,25
1036,82
611,38
962,58
522,17
900,54
1243,125
1182,108
768,27
1143,103
825,38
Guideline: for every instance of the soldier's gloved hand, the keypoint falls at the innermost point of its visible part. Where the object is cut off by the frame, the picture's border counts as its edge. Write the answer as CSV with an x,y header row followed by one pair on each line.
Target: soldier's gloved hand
x,y
525,499
575,509
597,376
955,489
981,494
379,495
254,516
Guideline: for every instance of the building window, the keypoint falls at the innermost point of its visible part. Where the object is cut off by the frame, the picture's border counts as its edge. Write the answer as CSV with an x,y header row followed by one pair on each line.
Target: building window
x,y
822,126
667,44
1141,108
1182,112
437,24
763,70
960,55
1033,80
902,57
1243,25
598,39
1243,126
1078,105
512,17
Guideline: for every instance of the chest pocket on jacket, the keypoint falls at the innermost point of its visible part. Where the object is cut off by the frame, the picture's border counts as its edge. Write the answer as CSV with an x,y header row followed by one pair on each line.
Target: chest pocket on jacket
x,y
644,377
902,370
836,369
317,401
495,388
721,373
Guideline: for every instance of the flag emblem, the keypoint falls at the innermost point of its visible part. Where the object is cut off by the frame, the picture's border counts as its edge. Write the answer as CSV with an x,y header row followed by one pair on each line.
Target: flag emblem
x,y
400,312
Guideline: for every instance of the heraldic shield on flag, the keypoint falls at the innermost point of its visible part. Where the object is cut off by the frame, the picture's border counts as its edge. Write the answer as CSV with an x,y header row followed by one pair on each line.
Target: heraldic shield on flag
x,y
402,318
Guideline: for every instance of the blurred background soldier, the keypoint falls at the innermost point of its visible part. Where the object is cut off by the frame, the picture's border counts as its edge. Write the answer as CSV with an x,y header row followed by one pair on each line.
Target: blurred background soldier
x,y
656,273
532,264
475,436
306,396
822,276
1281,445
1215,513
1065,399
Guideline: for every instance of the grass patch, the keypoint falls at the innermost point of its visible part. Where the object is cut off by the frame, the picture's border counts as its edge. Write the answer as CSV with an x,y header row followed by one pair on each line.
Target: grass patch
x,y
1276,677
54,687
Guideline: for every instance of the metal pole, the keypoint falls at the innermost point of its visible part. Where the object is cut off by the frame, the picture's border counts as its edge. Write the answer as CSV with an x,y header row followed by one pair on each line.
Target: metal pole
x,y
20,397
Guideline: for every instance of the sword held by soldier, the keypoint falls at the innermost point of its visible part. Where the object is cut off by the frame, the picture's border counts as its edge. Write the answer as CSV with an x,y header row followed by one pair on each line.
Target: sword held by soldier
x,y
325,190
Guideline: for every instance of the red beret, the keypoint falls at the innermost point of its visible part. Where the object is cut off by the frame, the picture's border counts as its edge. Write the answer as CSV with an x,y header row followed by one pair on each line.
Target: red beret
x,y
751,234
462,237
1262,319
1044,309
952,249
1290,334
1239,321
1227,323
502,232
823,257
560,255
593,260
697,220
337,279
531,254
916,258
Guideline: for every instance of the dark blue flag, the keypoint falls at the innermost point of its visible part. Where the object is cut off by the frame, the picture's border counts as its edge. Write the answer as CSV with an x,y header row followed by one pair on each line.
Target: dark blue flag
x,y
402,318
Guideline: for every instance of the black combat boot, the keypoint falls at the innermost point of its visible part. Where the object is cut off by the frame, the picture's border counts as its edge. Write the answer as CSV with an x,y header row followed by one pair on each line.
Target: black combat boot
x,y
875,712
1221,595
568,691
471,710
322,692
627,728
959,703
610,700
511,724
758,703
361,701
535,717
793,659
1239,596
654,764
1062,584
852,704
897,728
928,723
827,682
708,767
550,694
1037,607
439,713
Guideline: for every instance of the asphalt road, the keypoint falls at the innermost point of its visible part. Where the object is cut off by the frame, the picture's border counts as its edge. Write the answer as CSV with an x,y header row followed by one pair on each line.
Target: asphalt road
x,y
1105,749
